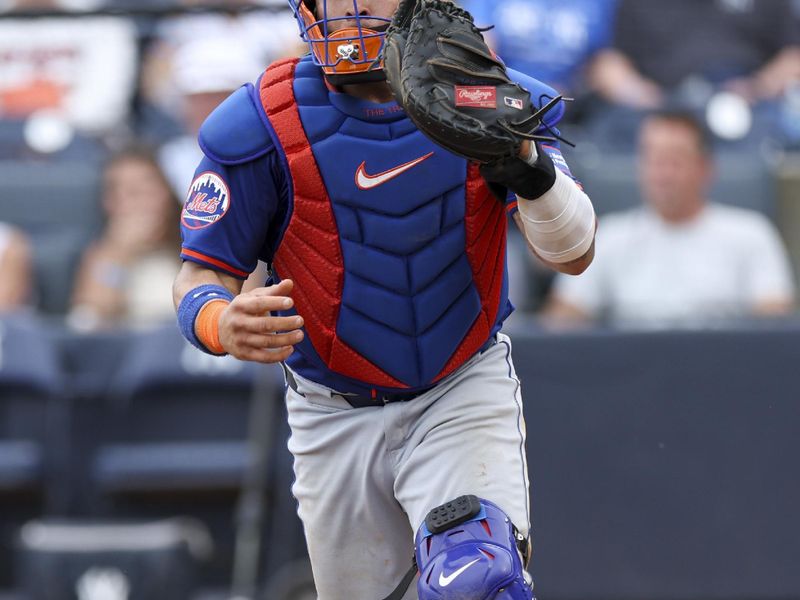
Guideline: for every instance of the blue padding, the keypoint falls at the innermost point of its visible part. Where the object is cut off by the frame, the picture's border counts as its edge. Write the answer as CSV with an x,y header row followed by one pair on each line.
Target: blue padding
x,y
355,128
439,343
396,354
349,226
431,304
454,208
440,175
313,91
380,304
402,235
326,121
427,265
306,69
380,268
234,133
172,466
21,465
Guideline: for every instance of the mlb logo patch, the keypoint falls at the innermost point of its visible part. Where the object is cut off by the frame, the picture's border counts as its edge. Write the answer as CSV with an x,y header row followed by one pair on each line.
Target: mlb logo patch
x,y
475,96
514,103
207,202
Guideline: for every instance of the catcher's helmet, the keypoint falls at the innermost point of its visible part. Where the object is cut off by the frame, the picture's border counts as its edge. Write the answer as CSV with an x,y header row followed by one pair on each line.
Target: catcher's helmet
x,y
350,54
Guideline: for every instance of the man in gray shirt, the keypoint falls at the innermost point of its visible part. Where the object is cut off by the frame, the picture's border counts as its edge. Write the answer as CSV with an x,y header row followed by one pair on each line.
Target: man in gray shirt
x,y
679,260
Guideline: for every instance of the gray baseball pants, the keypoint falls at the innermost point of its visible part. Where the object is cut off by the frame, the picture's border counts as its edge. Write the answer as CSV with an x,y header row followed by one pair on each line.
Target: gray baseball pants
x,y
365,478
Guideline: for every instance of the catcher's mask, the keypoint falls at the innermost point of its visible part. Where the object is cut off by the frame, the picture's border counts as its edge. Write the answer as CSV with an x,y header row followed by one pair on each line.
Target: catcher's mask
x,y
352,54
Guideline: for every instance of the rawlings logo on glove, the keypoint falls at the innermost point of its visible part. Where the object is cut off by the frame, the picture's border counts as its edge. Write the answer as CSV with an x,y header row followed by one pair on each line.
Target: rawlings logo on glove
x,y
476,97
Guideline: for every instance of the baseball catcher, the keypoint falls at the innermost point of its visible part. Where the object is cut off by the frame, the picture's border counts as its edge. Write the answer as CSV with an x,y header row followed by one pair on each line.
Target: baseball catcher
x,y
376,175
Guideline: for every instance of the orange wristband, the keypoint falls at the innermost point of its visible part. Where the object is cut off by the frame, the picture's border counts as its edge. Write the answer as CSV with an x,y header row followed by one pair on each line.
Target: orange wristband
x,y
206,326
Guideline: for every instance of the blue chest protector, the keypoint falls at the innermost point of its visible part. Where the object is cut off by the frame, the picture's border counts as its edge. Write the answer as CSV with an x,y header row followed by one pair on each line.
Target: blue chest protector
x,y
397,247
408,296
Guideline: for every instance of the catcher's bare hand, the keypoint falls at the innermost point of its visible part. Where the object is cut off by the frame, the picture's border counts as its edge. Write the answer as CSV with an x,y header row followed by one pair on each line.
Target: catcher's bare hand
x,y
248,331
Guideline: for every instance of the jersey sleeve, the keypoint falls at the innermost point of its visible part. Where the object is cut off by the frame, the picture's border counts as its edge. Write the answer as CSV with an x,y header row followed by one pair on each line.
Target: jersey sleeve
x,y
233,215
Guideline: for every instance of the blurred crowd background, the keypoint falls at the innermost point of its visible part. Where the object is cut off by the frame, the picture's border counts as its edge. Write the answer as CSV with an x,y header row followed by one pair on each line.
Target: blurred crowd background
x,y
685,120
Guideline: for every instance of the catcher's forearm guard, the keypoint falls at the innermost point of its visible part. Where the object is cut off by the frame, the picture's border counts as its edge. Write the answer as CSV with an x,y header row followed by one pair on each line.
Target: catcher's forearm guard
x,y
526,180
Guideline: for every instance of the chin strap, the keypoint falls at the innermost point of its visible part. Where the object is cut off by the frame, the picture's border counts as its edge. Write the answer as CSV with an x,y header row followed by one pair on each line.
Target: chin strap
x,y
403,586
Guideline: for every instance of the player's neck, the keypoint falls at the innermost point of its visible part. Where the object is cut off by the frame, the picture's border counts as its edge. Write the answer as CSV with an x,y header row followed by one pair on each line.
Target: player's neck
x,y
378,92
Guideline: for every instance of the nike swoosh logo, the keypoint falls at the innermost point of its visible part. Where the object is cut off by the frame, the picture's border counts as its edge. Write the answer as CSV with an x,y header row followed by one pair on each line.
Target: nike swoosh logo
x,y
445,581
364,181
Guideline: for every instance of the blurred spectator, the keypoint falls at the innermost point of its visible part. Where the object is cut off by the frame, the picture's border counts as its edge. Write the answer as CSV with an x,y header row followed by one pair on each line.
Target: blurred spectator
x,y
16,267
555,41
690,50
266,33
679,260
196,63
126,276
205,72
262,35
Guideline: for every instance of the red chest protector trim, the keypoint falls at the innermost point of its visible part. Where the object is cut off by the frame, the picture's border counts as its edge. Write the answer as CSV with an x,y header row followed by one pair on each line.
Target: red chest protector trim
x,y
311,255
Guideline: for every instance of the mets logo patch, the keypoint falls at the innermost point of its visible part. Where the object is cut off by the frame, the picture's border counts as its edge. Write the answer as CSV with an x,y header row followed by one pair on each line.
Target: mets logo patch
x,y
207,202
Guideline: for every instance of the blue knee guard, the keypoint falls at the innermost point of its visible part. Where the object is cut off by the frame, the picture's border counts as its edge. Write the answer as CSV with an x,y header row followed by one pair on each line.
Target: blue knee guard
x,y
468,549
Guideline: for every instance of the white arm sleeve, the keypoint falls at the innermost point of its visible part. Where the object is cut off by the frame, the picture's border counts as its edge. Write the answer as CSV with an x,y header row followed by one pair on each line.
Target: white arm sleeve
x,y
560,224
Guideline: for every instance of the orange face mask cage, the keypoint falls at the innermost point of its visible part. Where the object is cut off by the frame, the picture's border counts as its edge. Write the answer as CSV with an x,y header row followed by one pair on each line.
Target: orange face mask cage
x,y
352,54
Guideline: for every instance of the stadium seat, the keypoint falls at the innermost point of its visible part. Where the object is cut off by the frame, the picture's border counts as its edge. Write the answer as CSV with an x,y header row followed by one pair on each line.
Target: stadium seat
x,y
172,438
141,560
31,414
29,382
178,418
55,203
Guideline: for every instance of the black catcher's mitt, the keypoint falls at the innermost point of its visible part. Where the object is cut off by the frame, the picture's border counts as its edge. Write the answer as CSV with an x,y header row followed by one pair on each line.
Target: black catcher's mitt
x,y
453,88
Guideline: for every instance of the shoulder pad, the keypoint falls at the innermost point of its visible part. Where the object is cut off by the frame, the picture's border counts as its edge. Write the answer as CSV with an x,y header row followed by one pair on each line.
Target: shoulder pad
x,y
307,68
541,94
236,132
